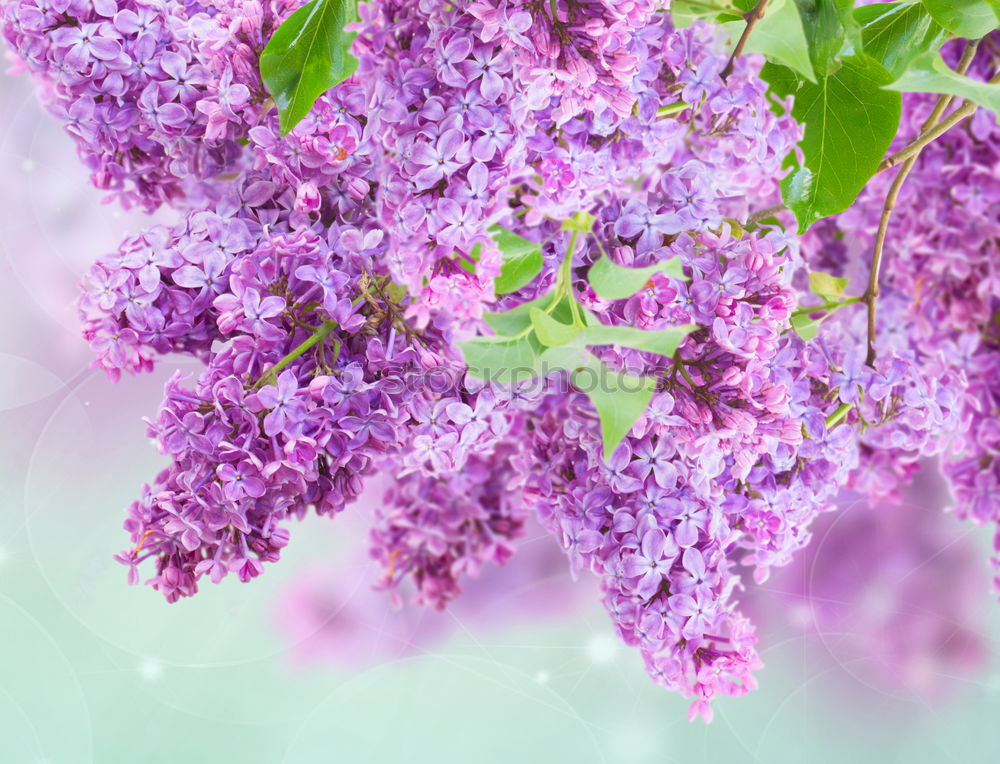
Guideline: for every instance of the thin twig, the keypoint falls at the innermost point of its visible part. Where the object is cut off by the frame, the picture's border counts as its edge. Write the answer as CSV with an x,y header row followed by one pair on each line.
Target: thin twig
x,y
764,214
967,109
930,126
752,17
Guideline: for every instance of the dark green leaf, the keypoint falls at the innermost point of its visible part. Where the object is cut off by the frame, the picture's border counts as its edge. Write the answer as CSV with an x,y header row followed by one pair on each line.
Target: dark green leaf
x,y
550,332
307,55
616,282
930,74
964,18
849,123
895,33
620,399
522,260
661,341
829,26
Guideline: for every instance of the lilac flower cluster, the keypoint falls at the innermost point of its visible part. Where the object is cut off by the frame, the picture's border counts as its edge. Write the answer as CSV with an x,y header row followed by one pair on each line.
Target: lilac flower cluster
x,y
584,53
398,173
436,529
660,519
335,612
325,281
291,412
157,95
938,331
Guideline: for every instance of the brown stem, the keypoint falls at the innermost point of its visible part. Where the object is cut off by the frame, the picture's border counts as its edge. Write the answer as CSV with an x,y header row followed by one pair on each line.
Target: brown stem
x,y
931,127
764,214
752,17
928,134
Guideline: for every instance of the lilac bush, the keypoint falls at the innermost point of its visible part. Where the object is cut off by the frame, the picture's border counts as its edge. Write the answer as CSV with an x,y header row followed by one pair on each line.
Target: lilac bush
x,y
537,261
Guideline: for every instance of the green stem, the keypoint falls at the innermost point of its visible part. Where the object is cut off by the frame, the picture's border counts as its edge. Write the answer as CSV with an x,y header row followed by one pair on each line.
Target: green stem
x,y
671,109
839,415
807,310
711,7
310,342
679,365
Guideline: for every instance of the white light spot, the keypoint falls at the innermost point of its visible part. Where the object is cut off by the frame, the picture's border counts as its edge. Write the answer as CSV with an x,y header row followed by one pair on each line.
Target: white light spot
x,y
151,669
28,165
801,615
542,677
602,648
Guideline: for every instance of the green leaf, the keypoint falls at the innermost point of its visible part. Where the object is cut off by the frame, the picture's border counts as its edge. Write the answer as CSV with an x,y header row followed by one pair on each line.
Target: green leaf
x,y
829,26
805,326
662,341
849,123
550,332
895,33
564,358
830,288
930,74
307,55
683,13
507,360
582,222
616,282
620,399
517,320
522,260
965,18
469,266
779,36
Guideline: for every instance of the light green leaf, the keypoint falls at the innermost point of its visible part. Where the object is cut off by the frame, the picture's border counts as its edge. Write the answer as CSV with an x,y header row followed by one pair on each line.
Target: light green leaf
x,y
805,326
662,341
616,282
965,18
582,222
522,260
307,55
507,360
930,74
849,123
779,36
469,266
895,33
550,332
829,28
564,358
620,399
830,288
683,13
516,320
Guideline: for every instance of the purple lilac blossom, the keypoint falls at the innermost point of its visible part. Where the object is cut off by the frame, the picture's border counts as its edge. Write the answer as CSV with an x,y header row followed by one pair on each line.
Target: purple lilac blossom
x,y
156,94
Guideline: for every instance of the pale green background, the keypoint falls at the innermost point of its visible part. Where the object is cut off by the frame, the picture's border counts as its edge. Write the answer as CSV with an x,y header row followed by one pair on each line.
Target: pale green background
x,y
94,671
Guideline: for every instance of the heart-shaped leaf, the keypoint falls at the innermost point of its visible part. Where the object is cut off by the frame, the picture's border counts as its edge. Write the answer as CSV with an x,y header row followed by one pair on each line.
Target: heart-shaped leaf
x,y
307,55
